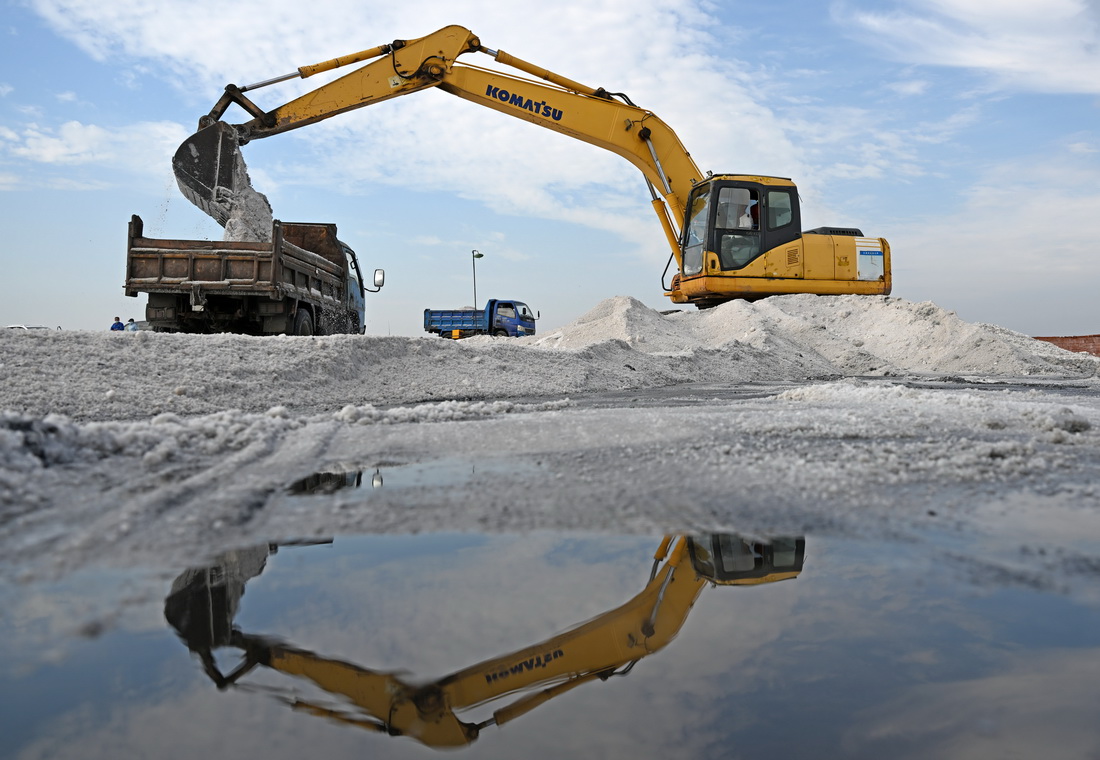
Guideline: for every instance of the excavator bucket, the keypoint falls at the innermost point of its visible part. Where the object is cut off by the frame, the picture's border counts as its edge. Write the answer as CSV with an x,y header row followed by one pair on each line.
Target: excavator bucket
x,y
207,166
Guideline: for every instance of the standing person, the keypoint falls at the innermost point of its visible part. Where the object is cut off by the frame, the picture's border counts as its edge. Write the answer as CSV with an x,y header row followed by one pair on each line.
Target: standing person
x,y
118,324
131,325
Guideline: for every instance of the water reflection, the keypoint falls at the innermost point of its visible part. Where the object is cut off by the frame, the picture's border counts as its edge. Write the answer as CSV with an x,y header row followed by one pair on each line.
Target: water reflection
x,y
204,603
331,482
442,472
878,649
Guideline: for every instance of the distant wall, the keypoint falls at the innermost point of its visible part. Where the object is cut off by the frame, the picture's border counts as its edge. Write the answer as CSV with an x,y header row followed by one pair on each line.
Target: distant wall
x,y
1089,343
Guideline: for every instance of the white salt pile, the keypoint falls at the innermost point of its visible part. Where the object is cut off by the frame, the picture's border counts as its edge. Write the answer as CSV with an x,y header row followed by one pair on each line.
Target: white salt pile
x,y
848,335
619,344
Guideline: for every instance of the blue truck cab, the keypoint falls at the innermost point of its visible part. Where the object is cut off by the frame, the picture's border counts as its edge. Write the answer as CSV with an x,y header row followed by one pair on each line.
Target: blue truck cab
x,y
503,317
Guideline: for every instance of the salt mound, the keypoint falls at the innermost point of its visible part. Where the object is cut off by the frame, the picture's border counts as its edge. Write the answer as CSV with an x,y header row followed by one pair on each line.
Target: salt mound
x,y
847,335
620,318
619,344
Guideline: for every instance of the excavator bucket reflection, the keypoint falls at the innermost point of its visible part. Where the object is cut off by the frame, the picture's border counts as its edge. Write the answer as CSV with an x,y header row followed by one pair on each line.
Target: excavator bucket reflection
x,y
207,166
203,605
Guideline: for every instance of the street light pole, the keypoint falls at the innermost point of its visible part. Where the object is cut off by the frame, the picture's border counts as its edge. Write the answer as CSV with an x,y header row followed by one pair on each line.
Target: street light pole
x,y
474,256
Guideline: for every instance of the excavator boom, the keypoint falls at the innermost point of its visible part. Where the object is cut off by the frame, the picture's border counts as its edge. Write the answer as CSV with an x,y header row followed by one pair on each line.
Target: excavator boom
x,y
210,170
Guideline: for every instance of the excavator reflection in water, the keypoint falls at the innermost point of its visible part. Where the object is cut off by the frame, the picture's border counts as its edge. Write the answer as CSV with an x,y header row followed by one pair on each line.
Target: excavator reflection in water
x,y
204,602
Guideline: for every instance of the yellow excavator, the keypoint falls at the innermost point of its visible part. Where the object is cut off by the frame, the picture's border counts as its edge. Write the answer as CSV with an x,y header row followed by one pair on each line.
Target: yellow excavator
x,y
731,235
204,602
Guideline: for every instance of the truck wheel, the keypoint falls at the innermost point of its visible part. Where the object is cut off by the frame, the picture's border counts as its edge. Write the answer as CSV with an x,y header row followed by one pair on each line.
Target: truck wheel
x,y
500,333
303,323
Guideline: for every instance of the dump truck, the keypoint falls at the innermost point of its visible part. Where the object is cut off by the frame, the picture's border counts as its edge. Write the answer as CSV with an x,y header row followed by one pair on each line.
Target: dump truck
x,y
303,281
504,318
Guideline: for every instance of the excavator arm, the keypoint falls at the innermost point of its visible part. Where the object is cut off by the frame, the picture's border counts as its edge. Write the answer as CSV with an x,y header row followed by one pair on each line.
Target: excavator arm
x,y
430,713
396,69
210,172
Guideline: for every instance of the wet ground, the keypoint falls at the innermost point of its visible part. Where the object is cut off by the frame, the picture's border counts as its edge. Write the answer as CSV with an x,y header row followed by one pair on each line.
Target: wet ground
x,y
391,590
803,647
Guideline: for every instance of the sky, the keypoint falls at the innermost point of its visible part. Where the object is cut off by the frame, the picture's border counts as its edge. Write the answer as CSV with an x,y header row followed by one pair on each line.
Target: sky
x,y
964,132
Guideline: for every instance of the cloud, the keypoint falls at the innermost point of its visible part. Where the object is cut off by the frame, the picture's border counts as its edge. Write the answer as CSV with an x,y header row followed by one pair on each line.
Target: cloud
x,y
908,87
1038,205
137,148
674,57
846,143
71,143
1045,47
1040,700
1019,249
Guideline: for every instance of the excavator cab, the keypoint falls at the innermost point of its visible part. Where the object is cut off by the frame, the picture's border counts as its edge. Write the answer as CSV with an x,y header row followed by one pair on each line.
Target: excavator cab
x,y
742,238
738,219
730,560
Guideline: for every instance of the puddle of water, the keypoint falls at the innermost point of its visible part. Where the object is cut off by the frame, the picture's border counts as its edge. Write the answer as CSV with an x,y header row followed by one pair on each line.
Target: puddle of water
x,y
805,648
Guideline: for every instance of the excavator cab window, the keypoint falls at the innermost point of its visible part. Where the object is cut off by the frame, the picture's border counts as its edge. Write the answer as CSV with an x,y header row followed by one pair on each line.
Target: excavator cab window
x,y
737,226
738,209
780,209
695,231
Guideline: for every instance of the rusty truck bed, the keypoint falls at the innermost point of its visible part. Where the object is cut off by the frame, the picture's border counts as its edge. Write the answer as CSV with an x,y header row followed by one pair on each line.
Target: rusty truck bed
x,y
302,260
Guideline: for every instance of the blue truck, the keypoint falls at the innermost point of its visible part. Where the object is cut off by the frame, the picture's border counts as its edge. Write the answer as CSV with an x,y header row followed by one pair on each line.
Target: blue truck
x,y
501,317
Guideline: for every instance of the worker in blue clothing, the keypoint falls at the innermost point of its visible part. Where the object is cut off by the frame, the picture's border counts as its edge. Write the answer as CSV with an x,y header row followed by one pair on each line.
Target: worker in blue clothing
x,y
118,324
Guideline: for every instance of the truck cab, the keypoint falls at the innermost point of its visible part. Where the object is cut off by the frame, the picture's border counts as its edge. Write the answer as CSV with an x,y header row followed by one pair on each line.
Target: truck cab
x,y
357,289
512,318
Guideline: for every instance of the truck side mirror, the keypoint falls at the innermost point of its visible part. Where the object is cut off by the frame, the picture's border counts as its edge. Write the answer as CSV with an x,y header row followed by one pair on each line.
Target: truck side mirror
x,y
379,278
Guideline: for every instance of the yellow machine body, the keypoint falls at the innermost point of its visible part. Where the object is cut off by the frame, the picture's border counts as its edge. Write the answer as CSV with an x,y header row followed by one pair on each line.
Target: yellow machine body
x,y
713,262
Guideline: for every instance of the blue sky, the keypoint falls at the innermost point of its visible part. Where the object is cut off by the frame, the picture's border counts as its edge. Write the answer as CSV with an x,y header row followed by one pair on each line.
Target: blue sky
x,y
966,133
